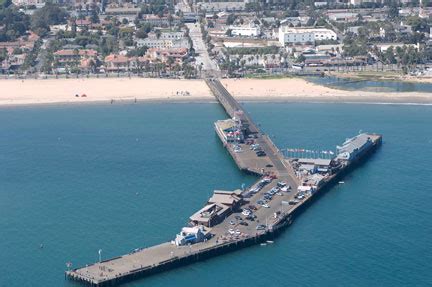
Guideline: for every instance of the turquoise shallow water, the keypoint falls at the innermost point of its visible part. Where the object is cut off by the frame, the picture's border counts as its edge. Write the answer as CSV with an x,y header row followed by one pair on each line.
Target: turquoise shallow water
x,y
70,177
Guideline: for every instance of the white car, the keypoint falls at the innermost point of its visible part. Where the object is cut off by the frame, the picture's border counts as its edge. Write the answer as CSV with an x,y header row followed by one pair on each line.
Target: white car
x,y
231,231
246,212
266,205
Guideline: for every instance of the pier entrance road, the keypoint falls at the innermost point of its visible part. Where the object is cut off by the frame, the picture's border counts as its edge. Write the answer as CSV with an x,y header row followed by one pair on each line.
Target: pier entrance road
x,y
209,67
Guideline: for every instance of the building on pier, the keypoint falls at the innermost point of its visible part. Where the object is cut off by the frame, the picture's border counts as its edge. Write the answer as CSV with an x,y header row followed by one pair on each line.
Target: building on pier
x,y
230,130
354,147
210,215
191,235
218,207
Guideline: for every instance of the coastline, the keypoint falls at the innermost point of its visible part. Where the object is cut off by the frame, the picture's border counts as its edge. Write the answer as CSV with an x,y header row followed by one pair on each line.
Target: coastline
x,y
128,90
300,90
103,90
381,77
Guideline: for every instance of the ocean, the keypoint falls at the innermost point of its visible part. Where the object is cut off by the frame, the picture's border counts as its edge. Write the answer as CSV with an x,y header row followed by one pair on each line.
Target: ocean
x,y
75,179
370,85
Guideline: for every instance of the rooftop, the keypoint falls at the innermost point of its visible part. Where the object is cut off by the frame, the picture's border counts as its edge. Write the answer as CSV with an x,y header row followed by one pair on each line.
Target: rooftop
x,y
287,29
315,161
354,143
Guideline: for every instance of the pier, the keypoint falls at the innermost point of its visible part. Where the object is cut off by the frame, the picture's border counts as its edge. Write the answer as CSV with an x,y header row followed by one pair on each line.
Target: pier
x,y
274,171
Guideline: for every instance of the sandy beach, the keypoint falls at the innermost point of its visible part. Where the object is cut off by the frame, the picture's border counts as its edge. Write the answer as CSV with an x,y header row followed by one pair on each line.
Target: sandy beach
x,y
52,91
27,92
300,90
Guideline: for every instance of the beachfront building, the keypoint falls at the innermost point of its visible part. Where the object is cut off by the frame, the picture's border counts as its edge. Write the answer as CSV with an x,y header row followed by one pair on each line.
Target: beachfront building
x,y
12,62
245,30
164,41
154,57
74,57
118,63
164,55
288,35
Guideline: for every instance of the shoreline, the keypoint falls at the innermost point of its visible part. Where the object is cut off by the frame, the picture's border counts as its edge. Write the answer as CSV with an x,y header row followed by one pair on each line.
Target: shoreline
x,y
144,90
210,101
381,77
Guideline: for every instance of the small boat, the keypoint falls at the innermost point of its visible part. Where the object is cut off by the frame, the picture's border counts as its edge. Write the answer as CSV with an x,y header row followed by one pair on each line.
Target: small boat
x,y
263,244
341,182
270,241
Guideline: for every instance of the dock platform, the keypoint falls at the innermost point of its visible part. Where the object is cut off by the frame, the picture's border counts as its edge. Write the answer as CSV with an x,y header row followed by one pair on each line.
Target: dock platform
x,y
277,216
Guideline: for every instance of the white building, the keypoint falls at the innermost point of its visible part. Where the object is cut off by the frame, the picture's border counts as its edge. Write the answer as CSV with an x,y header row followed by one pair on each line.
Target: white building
x,y
162,43
288,35
248,31
165,41
37,3
190,235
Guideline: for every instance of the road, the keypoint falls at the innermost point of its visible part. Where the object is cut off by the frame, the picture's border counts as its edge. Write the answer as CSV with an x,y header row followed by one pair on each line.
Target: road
x,y
209,67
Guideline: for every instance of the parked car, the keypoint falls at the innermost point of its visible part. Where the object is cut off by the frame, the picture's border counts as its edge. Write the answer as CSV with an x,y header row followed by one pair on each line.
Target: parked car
x,y
261,227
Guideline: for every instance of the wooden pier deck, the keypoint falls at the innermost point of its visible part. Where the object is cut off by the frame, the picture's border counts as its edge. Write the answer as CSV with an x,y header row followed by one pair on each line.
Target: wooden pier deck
x,y
166,256
279,165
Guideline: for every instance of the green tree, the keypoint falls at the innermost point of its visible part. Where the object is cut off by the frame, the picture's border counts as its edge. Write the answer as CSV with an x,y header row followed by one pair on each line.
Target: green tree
x,y
13,24
50,14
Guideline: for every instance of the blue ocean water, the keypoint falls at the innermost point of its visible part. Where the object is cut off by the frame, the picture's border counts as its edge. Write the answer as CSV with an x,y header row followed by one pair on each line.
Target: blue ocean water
x,y
116,177
372,86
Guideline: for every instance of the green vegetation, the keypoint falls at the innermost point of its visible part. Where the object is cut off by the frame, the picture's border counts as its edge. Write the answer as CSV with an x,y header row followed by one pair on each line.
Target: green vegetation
x,y
138,52
13,24
156,7
269,76
48,15
356,45
5,3
3,54
406,56
418,24
253,51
